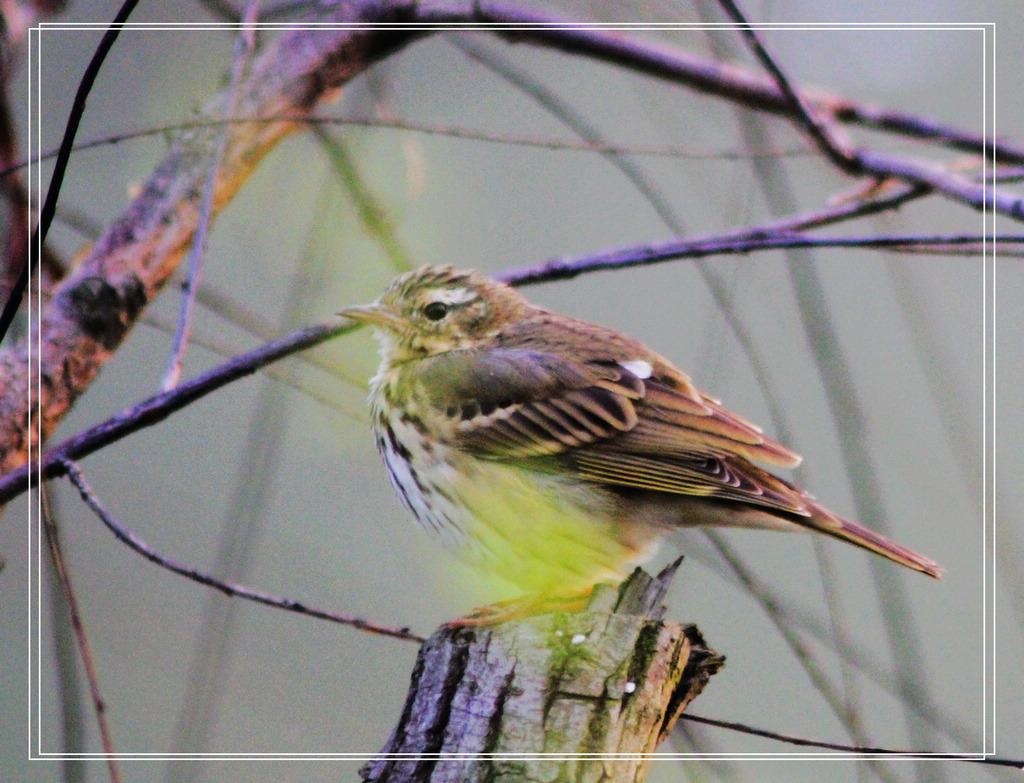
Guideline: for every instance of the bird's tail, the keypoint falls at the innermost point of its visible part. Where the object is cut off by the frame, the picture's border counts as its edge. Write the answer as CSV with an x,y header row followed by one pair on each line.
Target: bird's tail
x,y
824,521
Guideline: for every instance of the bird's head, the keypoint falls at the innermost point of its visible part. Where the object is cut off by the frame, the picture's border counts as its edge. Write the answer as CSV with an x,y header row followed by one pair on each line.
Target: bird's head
x,y
436,309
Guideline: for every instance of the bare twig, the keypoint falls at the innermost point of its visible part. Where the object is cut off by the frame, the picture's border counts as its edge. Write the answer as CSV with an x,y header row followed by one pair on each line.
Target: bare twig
x,y
734,83
976,195
274,373
78,625
865,751
60,167
436,129
244,43
867,161
160,406
129,538
725,244
815,127
248,320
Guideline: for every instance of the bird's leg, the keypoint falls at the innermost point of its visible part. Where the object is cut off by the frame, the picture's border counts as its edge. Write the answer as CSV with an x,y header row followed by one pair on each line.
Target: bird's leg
x,y
529,605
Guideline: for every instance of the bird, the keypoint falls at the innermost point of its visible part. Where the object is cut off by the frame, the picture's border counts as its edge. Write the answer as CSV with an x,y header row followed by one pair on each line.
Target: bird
x,y
556,454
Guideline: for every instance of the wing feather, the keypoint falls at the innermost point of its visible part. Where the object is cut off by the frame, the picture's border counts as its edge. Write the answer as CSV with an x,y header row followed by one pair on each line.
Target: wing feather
x,y
725,479
600,419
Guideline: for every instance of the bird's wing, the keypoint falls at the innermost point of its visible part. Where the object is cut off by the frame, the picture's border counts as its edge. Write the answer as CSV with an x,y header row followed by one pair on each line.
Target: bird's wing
x,y
723,478
510,403
607,423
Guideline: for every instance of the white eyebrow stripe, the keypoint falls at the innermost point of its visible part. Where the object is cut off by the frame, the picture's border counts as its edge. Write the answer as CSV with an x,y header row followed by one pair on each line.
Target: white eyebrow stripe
x,y
453,296
639,368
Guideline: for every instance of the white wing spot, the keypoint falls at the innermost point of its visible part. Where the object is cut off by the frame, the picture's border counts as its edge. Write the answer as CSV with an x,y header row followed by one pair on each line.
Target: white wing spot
x,y
639,368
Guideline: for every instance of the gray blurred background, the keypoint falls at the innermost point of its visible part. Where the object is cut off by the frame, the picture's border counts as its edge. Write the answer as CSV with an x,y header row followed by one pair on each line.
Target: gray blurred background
x,y
270,483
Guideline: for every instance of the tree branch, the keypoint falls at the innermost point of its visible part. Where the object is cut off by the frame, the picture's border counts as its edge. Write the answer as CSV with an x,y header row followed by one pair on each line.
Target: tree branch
x,y
49,208
807,118
157,408
725,244
93,308
136,544
859,750
724,80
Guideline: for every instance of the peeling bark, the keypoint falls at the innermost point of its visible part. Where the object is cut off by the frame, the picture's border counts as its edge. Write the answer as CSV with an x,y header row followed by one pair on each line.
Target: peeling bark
x,y
559,697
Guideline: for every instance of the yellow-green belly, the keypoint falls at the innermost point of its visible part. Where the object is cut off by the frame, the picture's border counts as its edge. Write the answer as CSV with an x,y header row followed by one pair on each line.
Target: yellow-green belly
x,y
538,531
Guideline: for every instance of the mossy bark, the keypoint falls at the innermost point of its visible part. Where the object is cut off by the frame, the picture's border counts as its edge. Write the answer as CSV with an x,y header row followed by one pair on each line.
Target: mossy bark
x,y
558,697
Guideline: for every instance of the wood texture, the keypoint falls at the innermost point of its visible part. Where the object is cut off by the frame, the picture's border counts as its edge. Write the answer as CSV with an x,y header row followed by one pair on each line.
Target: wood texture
x,y
559,697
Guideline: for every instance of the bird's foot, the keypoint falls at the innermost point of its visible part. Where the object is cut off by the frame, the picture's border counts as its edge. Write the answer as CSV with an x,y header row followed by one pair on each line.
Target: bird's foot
x,y
529,605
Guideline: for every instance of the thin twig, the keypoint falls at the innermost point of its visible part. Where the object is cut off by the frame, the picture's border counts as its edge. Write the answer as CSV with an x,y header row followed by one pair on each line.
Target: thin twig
x,y
801,651
78,625
867,751
979,196
728,244
60,166
815,127
248,320
129,538
160,406
734,83
244,43
433,129
277,374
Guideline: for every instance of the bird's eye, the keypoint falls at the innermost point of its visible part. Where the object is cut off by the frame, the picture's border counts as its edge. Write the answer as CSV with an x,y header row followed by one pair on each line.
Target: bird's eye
x,y
435,311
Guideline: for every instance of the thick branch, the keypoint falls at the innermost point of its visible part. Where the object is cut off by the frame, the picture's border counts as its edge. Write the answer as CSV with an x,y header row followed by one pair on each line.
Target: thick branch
x,y
95,306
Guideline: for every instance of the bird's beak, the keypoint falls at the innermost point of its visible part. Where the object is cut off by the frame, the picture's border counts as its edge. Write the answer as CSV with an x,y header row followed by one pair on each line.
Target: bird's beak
x,y
374,315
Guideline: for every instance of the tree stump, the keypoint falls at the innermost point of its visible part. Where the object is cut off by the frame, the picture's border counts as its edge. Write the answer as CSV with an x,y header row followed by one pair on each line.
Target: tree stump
x,y
558,697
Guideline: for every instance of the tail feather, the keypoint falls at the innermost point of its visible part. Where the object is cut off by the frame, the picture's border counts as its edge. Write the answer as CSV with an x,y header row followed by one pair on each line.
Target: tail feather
x,y
824,521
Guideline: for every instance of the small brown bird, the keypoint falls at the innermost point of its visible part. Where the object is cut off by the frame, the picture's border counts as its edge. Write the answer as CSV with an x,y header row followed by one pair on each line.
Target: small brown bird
x,y
555,453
